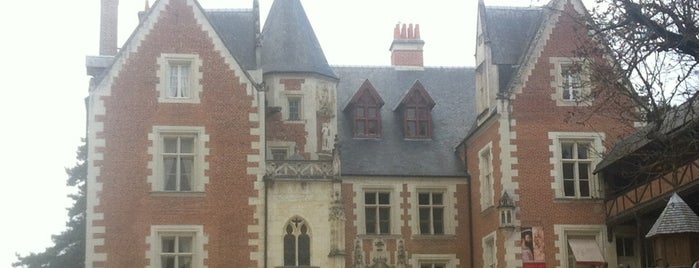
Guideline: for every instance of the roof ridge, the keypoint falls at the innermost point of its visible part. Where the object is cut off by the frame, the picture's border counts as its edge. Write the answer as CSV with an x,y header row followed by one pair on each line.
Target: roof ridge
x,y
228,9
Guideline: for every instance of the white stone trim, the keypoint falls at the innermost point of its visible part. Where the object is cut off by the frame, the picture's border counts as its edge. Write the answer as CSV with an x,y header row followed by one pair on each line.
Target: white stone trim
x,y
562,231
195,74
201,151
448,188
484,242
507,161
199,241
395,199
287,145
487,191
558,63
449,259
595,139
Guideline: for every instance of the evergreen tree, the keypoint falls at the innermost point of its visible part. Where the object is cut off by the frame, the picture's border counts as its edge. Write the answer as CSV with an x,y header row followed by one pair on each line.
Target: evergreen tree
x,y
68,250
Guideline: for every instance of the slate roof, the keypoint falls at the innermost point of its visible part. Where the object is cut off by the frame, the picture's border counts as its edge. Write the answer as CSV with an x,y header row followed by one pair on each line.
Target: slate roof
x,y
452,90
675,124
289,43
237,29
677,217
510,30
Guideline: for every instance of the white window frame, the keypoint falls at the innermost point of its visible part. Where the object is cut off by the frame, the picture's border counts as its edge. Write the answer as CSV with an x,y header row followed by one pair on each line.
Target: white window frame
x,y
198,178
486,180
559,82
157,232
449,260
394,227
595,140
448,189
165,63
287,114
288,146
563,232
490,251
431,208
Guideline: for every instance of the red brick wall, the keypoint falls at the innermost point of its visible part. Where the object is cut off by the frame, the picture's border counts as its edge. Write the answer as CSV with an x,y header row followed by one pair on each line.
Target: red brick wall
x,y
407,58
536,114
487,221
131,112
457,244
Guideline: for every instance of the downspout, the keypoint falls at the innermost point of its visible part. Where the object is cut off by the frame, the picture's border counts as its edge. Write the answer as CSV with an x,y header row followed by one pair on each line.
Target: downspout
x,y
470,220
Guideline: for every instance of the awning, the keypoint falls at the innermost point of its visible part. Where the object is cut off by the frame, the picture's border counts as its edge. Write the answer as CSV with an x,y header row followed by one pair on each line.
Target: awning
x,y
586,251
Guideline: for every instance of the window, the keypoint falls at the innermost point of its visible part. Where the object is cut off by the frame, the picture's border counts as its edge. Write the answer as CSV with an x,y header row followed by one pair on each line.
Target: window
x,y
176,251
485,169
179,80
570,82
367,119
572,85
433,265
577,170
574,156
365,107
377,208
417,122
624,246
417,107
176,246
489,251
581,246
179,76
431,210
297,243
294,108
178,154
279,154
178,161
434,261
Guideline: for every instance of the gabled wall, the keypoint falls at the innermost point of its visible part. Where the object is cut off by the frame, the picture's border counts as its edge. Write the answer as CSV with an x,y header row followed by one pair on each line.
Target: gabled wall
x,y
124,111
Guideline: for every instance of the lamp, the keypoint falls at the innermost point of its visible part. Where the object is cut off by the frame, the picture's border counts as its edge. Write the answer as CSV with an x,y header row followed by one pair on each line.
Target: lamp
x,y
506,208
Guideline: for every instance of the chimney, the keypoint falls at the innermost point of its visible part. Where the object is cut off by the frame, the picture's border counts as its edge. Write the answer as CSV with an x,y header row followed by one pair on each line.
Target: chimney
x,y
406,49
108,27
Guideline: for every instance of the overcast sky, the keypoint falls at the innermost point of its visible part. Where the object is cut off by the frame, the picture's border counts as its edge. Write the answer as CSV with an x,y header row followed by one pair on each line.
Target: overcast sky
x,y
44,84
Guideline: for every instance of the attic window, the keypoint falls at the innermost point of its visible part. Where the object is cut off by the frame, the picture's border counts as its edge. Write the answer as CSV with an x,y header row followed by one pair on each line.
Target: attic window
x,y
416,107
366,112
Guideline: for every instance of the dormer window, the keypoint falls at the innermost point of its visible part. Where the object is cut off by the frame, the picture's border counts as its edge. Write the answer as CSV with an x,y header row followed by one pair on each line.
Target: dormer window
x,y
365,109
416,107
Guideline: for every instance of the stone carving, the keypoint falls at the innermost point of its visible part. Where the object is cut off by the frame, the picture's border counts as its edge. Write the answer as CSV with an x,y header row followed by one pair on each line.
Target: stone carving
x,y
402,255
325,138
358,254
310,169
326,102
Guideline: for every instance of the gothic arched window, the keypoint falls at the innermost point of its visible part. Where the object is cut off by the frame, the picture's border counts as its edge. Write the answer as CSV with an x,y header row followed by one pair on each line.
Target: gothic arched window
x,y
297,243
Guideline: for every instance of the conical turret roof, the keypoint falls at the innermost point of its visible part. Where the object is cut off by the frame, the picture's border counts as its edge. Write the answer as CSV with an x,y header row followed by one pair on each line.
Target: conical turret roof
x,y
289,44
677,217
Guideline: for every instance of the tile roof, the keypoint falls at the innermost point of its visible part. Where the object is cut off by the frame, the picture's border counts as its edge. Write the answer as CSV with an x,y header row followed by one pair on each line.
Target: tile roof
x,y
452,90
289,43
677,217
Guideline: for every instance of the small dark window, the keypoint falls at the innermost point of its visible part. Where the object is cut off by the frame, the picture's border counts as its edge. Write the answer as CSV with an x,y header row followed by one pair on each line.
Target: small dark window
x,y
377,208
297,243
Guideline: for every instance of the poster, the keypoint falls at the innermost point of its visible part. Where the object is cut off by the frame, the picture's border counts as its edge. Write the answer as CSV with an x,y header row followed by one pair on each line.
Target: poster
x,y
532,240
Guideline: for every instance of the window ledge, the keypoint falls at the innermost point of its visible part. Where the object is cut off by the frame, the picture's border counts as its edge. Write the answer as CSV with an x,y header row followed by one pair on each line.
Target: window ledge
x,y
417,139
379,236
435,237
301,121
578,200
177,194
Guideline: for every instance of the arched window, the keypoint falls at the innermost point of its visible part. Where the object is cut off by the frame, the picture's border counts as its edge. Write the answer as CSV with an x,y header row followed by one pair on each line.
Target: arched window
x,y
297,243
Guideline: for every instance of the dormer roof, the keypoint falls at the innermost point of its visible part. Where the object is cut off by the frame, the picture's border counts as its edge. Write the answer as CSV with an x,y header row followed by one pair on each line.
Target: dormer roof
x,y
289,44
416,95
366,89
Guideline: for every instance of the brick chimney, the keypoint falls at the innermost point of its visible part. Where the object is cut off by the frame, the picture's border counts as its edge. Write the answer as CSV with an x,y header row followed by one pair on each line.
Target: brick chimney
x,y
406,49
108,27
